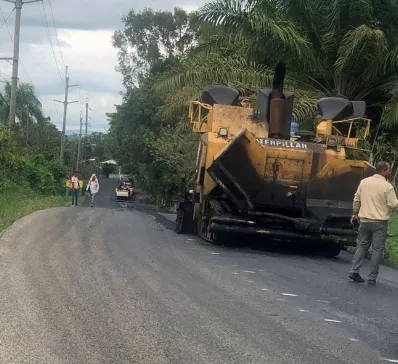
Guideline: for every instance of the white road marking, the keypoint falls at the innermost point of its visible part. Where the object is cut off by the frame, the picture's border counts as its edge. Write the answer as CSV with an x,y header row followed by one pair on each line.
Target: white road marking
x,y
323,301
281,299
289,294
190,239
249,281
235,273
330,320
249,271
214,253
264,289
355,340
390,360
262,270
304,311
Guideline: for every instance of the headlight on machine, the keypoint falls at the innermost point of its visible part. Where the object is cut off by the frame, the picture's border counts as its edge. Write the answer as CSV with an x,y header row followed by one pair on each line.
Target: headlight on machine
x,y
331,143
223,132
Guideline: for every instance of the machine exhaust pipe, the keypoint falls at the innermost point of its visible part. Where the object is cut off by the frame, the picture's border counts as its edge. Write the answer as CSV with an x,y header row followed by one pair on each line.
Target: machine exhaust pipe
x,y
277,103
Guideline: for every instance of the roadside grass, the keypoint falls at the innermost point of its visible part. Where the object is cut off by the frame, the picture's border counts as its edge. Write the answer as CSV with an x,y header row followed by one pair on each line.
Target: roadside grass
x,y
391,253
17,203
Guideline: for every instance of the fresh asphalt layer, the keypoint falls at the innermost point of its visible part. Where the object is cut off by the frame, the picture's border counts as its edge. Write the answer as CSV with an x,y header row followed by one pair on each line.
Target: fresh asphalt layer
x,y
115,284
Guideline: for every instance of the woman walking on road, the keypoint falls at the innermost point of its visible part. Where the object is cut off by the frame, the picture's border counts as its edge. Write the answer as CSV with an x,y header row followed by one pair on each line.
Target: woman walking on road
x,y
92,188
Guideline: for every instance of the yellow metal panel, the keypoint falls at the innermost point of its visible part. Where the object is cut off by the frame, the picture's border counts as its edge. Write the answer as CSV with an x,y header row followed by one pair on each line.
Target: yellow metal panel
x,y
236,118
335,167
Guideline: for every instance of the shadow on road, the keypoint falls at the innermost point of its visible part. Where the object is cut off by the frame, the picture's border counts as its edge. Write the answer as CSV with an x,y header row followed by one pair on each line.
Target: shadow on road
x,y
252,243
257,245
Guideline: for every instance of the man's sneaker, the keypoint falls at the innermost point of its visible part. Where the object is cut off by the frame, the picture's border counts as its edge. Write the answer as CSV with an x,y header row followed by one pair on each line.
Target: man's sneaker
x,y
356,277
372,282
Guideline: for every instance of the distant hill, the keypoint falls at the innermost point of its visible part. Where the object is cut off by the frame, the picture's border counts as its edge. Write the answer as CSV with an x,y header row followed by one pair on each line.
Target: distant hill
x,y
72,137
70,133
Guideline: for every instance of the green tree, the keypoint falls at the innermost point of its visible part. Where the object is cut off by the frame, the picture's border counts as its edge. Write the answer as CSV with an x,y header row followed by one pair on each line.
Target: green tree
x,y
146,141
149,37
29,155
330,48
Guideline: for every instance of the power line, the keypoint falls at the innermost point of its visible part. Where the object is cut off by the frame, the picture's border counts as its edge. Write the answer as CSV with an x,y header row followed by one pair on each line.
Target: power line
x,y
15,58
65,103
80,99
47,29
4,18
4,74
56,32
5,23
12,40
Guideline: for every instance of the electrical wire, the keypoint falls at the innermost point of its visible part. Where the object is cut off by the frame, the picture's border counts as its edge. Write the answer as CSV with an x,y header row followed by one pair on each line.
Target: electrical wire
x,y
4,18
20,61
56,33
47,29
5,23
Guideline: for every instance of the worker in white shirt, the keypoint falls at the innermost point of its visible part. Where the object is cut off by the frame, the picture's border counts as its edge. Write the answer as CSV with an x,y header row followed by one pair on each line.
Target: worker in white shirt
x,y
374,201
92,188
74,187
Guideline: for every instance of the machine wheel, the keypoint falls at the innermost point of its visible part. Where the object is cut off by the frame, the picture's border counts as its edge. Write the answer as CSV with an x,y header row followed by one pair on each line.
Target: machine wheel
x,y
184,223
217,239
332,250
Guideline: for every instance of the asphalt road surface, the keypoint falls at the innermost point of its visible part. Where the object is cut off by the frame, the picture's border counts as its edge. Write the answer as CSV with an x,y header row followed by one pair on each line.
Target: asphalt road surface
x,y
112,284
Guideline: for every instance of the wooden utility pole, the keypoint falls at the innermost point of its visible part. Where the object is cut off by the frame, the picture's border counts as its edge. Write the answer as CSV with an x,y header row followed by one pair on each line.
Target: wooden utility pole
x,y
79,147
15,58
65,103
86,127
27,125
85,132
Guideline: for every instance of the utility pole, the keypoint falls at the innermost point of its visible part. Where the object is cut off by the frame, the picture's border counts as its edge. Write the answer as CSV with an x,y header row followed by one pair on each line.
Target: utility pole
x,y
86,127
65,103
15,58
27,125
85,132
79,147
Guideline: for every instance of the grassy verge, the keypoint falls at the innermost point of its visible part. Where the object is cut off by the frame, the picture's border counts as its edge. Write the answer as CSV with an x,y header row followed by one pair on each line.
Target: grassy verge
x,y
391,252
18,203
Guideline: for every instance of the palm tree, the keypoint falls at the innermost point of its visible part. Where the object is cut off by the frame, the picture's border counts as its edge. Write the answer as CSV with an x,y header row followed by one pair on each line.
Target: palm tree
x,y
29,108
330,47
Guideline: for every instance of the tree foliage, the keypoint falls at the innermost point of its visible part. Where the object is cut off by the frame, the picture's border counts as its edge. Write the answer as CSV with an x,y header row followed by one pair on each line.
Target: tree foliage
x,y
29,155
331,48
148,37
154,146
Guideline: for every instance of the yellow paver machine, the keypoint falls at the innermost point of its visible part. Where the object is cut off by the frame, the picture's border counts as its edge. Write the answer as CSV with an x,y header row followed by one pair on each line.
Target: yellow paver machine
x,y
254,176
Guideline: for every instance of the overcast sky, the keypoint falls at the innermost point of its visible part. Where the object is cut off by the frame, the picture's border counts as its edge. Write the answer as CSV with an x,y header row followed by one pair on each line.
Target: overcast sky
x,y
84,28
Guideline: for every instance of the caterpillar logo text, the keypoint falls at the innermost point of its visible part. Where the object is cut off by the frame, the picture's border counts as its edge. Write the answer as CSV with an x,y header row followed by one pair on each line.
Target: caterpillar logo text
x,y
282,143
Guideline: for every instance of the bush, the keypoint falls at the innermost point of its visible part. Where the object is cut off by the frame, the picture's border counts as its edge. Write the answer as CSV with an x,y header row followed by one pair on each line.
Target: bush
x,y
41,179
391,252
18,167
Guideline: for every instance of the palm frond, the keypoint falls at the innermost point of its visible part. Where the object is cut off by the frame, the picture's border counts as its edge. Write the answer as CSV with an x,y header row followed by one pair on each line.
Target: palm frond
x,y
216,69
344,14
363,41
390,110
260,20
230,13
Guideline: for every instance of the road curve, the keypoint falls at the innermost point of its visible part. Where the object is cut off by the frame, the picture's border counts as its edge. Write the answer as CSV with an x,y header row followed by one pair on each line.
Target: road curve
x,y
114,285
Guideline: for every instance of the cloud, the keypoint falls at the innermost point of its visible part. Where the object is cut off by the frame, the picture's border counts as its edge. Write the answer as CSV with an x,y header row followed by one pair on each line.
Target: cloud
x,y
84,30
